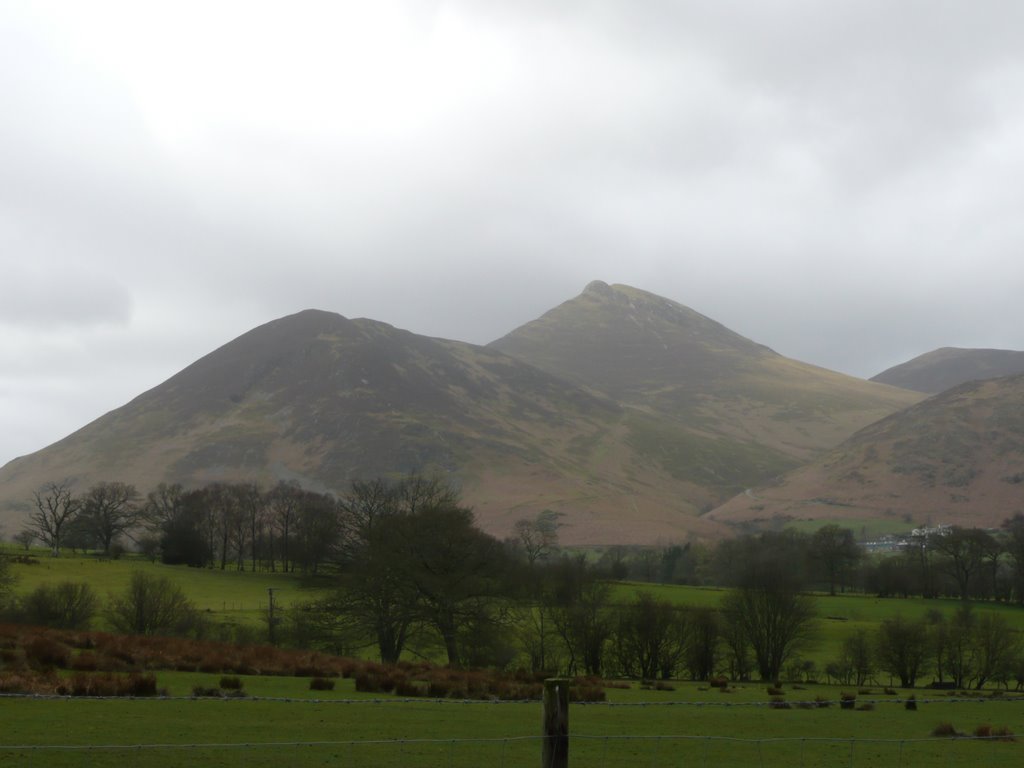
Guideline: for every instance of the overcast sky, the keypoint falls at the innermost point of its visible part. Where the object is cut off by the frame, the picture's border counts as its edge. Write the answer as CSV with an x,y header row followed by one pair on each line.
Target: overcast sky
x,y
841,181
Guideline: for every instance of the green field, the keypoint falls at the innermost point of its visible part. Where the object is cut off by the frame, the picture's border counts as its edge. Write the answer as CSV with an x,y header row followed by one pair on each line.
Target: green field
x,y
240,598
839,616
229,596
688,726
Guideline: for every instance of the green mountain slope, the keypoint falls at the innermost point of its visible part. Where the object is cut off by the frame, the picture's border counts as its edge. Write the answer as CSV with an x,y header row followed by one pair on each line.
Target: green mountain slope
x,y
727,412
957,457
628,413
321,399
948,367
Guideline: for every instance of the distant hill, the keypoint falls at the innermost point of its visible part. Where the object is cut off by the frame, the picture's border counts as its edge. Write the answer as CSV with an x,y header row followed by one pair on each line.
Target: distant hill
x,y
727,409
957,457
948,367
628,413
322,399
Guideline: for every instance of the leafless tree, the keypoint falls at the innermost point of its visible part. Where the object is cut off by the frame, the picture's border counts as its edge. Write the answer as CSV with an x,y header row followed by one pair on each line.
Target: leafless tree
x,y
56,508
25,538
110,510
153,605
964,552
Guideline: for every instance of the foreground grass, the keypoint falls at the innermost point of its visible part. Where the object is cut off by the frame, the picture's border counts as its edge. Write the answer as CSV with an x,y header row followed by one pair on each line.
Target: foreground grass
x,y
391,732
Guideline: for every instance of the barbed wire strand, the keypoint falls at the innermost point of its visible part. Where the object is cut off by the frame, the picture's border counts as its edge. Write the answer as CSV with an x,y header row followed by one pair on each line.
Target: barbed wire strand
x,y
504,740
795,703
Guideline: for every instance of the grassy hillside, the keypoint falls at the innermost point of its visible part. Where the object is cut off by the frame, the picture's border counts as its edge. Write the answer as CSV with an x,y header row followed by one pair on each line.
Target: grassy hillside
x,y
957,457
323,400
626,412
727,412
948,367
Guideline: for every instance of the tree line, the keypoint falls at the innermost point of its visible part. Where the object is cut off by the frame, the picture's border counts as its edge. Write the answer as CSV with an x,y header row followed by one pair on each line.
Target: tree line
x,y
953,561
411,574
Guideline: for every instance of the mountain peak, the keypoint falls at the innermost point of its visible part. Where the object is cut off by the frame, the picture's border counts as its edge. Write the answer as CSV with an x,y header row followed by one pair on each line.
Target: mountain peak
x,y
616,338
946,367
598,288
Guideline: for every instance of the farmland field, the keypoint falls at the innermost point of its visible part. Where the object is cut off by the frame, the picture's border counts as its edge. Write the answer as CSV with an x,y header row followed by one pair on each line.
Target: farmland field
x,y
637,727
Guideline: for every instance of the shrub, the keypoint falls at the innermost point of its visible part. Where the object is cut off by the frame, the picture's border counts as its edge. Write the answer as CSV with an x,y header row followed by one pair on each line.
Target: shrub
x,y
321,684
199,692
85,662
410,689
587,693
231,683
66,605
45,652
154,605
910,704
847,700
945,730
107,684
140,685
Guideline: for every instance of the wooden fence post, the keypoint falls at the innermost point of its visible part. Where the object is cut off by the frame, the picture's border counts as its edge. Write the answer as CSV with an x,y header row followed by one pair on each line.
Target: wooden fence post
x,y
555,749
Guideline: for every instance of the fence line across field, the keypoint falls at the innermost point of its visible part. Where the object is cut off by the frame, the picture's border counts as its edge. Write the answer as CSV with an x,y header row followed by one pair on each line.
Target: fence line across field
x,y
793,704
651,751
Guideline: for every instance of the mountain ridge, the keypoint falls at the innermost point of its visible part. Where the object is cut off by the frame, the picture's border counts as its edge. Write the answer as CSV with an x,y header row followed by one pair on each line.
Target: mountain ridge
x,y
675,414
957,457
947,367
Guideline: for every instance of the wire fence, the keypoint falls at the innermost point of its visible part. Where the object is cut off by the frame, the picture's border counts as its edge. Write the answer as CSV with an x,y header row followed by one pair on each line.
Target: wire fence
x,y
588,747
585,750
819,703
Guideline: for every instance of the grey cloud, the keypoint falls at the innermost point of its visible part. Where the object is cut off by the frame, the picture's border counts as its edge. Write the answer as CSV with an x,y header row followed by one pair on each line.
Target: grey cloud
x,y
839,181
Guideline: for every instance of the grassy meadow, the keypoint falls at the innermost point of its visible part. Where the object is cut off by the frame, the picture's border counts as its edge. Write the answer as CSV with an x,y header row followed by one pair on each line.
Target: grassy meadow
x,y
239,598
283,722
229,596
688,726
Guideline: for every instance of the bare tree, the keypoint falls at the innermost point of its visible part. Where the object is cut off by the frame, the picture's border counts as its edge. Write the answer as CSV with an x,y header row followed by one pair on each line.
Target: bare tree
x,y
6,580
997,647
56,508
25,538
902,648
163,505
583,621
775,621
767,608
65,605
649,638
1014,543
964,552
538,536
153,605
110,510
835,551
284,502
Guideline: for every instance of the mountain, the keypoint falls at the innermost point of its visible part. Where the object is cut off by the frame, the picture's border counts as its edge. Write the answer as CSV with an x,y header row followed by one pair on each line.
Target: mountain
x,y
726,409
947,367
626,412
322,399
957,457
